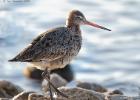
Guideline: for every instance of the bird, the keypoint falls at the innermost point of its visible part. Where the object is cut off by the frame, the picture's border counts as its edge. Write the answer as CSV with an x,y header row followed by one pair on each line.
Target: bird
x,y
56,47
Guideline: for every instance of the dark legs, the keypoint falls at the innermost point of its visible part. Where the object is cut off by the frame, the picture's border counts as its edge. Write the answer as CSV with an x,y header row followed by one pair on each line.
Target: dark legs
x,y
46,75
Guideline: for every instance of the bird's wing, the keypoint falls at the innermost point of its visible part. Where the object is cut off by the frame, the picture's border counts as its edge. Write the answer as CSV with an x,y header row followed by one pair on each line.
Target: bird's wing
x,y
47,46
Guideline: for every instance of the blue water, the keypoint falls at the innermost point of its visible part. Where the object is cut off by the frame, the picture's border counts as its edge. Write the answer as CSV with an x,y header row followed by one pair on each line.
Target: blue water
x,y
111,59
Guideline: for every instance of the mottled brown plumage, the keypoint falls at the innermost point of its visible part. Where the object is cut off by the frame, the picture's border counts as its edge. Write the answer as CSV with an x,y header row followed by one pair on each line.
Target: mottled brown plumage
x,y
52,49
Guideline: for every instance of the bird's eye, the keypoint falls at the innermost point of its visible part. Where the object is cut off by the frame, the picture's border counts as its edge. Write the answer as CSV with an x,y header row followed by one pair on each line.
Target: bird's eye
x,y
79,17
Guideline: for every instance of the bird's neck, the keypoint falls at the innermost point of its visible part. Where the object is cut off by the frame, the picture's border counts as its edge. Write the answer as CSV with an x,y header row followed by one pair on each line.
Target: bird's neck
x,y
73,27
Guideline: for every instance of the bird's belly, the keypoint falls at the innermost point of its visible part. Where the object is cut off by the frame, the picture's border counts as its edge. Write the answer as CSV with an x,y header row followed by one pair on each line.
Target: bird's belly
x,y
54,64
42,65
60,63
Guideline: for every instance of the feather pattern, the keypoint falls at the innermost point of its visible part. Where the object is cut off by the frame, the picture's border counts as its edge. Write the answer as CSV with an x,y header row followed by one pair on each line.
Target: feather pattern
x,y
52,45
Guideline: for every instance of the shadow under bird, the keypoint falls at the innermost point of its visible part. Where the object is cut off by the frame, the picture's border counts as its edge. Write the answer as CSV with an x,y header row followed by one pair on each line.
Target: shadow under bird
x,y
56,47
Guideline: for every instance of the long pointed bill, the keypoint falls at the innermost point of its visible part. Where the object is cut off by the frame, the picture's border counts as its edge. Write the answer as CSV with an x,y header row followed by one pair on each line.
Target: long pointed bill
x,y
97,26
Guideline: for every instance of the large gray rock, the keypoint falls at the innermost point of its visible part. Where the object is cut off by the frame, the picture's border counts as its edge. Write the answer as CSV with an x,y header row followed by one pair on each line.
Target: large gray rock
x,y
80,94
56,80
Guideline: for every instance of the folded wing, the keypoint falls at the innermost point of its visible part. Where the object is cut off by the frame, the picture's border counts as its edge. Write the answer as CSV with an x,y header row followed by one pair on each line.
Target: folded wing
x,y
48,46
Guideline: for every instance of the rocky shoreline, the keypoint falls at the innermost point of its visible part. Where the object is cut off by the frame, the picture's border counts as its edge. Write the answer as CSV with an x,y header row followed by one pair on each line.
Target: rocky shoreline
x,y
60,79
83,91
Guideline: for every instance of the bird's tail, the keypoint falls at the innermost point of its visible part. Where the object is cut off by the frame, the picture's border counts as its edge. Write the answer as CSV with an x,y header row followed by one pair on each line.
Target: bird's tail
x,y
13,60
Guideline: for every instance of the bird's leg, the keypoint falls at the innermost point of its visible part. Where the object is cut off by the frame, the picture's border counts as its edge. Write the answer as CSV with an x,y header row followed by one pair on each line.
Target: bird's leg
x,y
46,75
62,94
51,95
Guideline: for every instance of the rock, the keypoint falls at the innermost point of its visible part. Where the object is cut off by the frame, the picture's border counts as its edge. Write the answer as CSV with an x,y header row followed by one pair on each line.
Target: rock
x,y
35,96
80,94
116,92
31,96
56,80
74,94
66,73
119,97
8,89
22,96
34,73
5,99
92,86
84,94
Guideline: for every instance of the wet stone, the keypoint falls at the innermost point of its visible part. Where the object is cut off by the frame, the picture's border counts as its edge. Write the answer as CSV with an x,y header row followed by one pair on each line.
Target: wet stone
x,y
5,99
56,80
80,94
116,92
35,96
8,89
92,86
32,72
22,96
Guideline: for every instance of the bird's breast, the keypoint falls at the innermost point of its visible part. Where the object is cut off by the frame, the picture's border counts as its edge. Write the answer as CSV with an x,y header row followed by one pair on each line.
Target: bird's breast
x,y
75,44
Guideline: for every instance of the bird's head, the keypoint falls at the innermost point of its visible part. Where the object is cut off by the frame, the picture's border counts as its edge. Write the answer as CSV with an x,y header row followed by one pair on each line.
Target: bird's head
x,y
76,17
